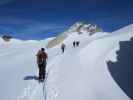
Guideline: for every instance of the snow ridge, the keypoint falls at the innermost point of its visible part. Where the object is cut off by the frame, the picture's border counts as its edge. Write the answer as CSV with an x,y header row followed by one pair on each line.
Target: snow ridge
x,y
80,73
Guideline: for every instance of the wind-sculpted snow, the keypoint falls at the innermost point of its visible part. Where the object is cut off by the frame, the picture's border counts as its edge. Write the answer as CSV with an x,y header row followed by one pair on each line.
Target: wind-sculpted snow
x,y
80,73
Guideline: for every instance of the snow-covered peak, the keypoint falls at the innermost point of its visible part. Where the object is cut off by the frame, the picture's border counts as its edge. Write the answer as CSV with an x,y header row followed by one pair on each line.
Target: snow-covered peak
x,y
76,29
82,27
127,29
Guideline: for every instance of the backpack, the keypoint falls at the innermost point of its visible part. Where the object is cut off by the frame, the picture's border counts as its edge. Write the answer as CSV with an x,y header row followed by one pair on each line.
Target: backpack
x,y
41,58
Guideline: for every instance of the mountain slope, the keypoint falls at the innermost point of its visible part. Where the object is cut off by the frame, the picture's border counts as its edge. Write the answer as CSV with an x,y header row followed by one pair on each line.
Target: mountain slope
x,y
85,75
79,74
78,28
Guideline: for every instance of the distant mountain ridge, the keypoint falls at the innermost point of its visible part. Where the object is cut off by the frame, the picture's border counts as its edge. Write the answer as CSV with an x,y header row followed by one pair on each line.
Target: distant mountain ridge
x,y
79,28
82,27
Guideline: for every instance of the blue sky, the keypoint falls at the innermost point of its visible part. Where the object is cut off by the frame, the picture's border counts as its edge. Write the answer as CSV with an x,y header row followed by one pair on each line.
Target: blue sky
x,y
38,19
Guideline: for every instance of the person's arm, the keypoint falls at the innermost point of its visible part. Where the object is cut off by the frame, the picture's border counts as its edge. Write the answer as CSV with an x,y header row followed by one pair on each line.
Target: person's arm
x,y
46,56
38,53
37,56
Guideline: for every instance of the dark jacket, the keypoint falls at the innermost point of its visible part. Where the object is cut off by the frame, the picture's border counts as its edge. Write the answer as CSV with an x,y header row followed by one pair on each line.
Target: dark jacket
x,y
41,57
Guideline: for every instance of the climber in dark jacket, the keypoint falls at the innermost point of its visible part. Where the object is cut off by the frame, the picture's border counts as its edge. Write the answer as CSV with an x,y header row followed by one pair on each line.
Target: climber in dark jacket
x,y
74,43
77,43
63,46
41,61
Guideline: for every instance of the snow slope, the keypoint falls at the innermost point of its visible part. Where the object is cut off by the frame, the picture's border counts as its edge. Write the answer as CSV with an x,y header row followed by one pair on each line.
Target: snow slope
x,y
79,74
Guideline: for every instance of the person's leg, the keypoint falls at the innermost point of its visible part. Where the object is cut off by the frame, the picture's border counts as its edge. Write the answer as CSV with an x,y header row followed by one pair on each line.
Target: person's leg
x,y
63,50
43,76
39,71
44,71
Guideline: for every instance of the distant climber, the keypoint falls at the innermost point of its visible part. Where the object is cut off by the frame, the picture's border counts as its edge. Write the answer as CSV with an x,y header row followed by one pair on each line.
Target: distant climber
x,y
74,44
63,46
41,61
77,43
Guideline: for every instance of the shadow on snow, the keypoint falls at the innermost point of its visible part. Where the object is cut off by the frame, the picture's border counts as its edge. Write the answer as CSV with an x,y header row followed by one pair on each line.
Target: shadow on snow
x,y
30,77
122,70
